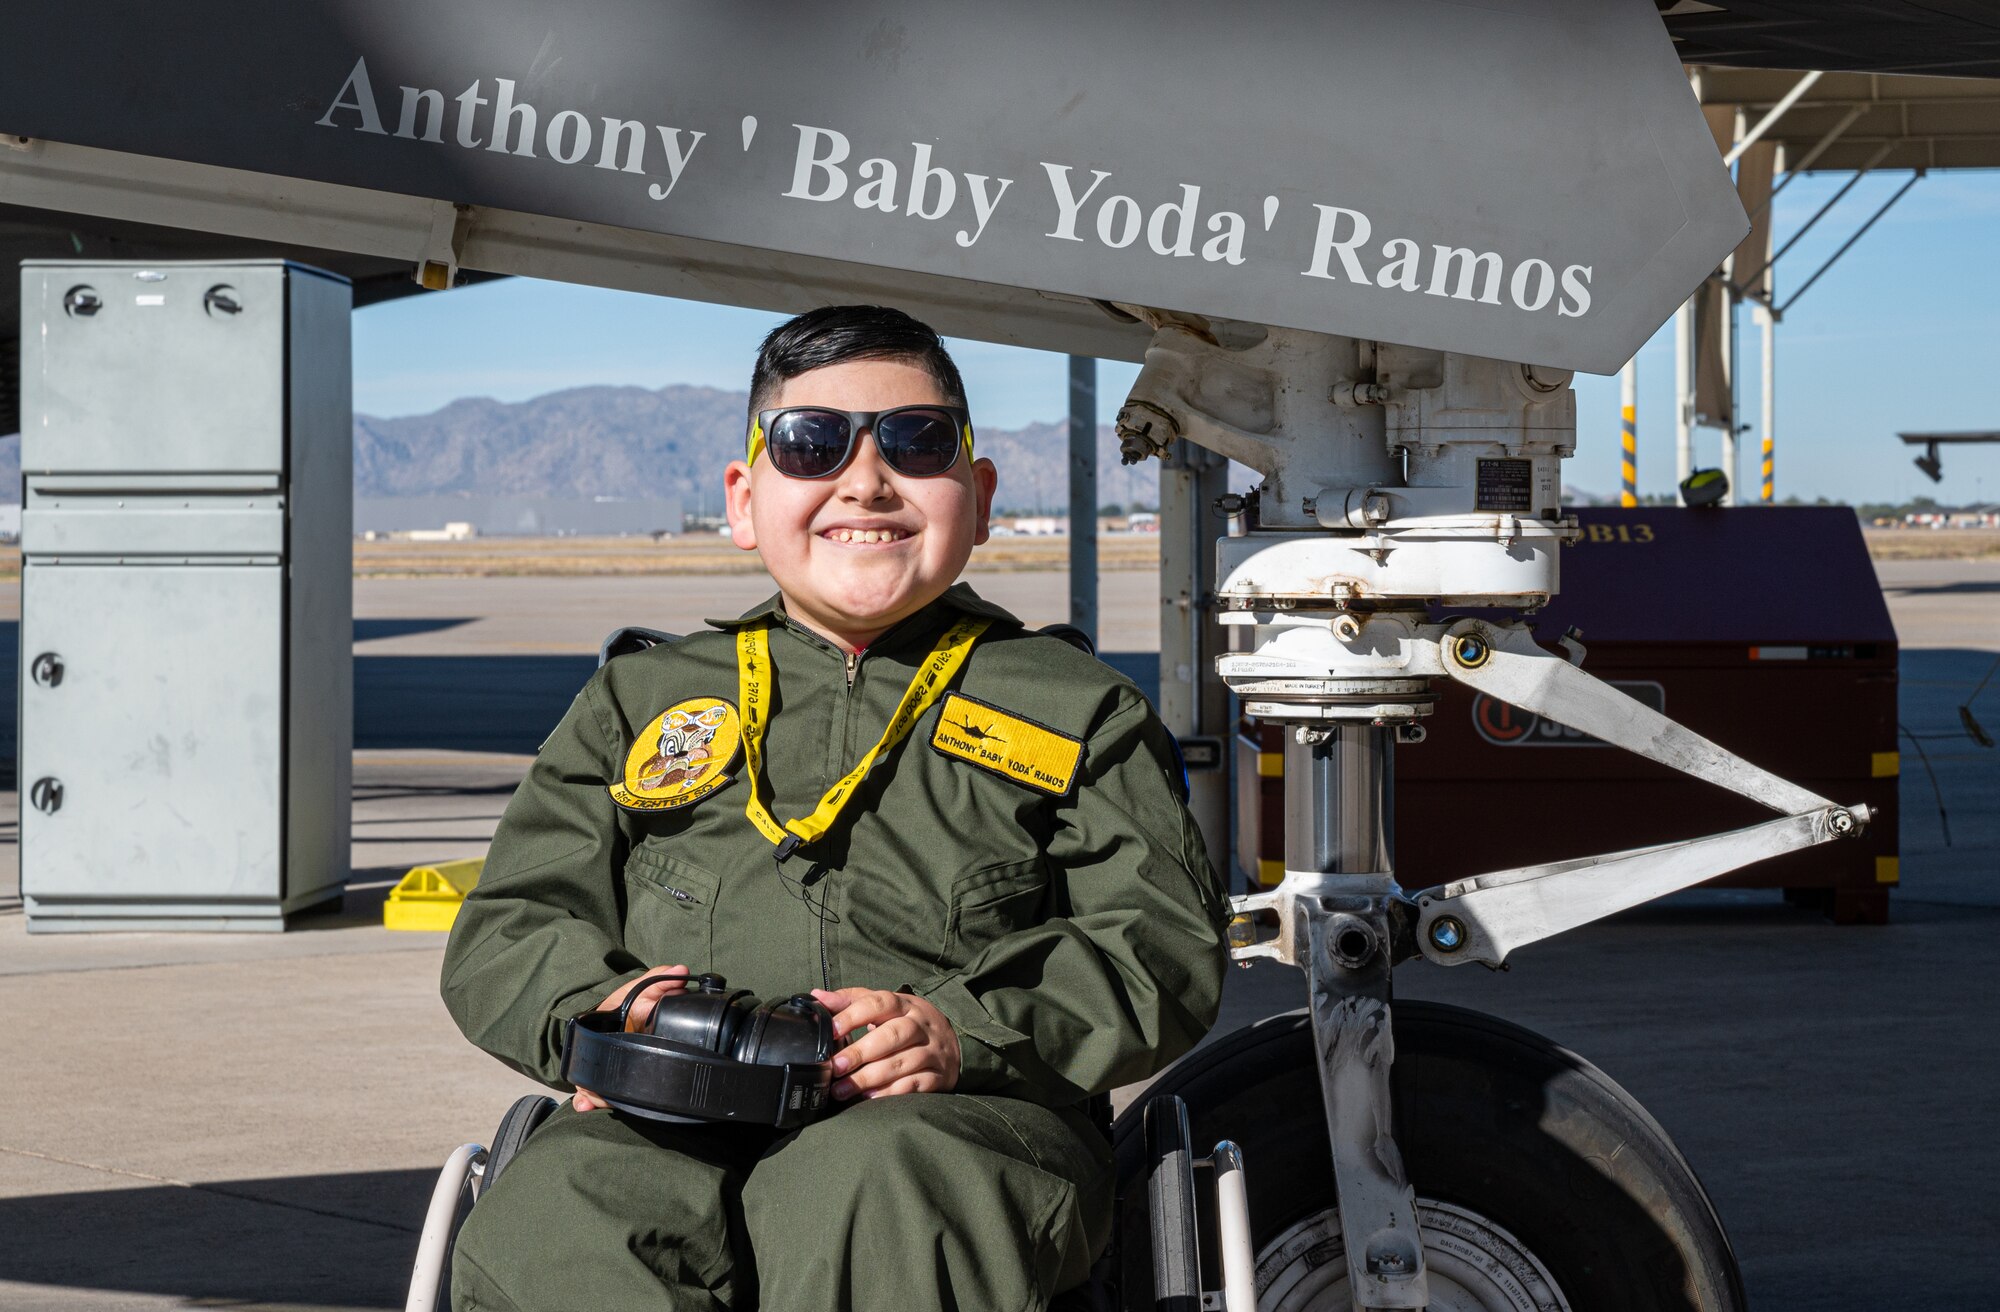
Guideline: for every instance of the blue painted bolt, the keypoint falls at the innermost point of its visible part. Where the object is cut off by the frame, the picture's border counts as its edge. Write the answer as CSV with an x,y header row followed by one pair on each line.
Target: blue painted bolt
x,y
1447,934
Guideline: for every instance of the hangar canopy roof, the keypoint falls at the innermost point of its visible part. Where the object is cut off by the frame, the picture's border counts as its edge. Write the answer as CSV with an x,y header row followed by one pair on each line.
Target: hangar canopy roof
x,y
1958,38
1848,121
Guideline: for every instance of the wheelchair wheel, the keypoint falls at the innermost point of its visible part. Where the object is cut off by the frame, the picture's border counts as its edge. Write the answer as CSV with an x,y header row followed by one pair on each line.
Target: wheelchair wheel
x,y
521,1120
1170,1201
467,1176
1541,1184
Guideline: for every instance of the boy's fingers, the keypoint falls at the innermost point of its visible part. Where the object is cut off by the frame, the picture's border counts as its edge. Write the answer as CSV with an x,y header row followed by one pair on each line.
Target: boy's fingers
x,y
616,998
865,1007
880,1074
889,1037
883,1073
641,1013
648,1000
834,1000
666,986
681,982
586,1101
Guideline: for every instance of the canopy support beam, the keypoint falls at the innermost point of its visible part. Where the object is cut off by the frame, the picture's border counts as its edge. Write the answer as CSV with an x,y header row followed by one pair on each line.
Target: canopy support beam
x,y
1770,120
1819,214
1844,246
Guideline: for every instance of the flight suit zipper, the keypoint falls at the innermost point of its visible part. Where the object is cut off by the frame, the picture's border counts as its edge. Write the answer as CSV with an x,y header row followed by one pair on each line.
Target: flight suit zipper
x,y
816,901
825,969
853,664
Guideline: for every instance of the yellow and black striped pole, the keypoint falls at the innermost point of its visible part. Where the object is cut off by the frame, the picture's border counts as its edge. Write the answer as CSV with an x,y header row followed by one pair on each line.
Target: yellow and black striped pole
x,y
1628,396
1769,323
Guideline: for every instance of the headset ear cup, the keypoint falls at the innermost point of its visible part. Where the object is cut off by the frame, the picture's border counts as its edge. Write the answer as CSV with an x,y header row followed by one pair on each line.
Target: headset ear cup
x,y
750,1046
737,1020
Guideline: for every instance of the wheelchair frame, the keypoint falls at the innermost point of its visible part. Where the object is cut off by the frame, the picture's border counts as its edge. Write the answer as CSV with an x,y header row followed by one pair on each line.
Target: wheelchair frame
x,y
1175,1225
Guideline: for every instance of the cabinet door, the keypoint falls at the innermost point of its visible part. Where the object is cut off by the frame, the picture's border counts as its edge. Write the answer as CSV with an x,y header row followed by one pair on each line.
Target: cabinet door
x,y
158,378
164,731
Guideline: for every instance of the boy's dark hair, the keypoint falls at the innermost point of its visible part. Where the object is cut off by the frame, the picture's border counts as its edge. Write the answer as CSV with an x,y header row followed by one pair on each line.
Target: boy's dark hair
x,y
836,334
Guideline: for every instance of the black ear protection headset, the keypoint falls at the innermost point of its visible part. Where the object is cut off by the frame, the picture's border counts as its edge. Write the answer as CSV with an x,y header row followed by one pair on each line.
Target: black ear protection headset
x,y
711,1053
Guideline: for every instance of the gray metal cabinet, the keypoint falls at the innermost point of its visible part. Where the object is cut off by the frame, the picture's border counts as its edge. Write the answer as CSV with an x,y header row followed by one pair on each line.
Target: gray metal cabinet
x,y
186,700
160,377
165,732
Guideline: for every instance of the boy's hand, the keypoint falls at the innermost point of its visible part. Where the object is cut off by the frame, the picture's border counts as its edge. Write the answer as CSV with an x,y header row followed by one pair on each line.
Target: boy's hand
x,y
638,1018
909,1048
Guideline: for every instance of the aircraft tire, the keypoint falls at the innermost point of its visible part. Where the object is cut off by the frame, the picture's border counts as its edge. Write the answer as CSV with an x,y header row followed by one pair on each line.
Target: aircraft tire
x,y
1532,1168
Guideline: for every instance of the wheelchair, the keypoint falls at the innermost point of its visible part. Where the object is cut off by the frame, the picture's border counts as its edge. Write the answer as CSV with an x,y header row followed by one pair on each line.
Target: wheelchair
x,y
1171,1192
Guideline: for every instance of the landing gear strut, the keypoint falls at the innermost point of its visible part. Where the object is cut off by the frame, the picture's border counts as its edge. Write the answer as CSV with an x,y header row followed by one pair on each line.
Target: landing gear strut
x,y
1400,484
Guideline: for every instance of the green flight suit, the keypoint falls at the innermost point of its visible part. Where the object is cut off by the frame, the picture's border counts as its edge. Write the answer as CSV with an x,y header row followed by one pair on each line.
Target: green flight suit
x,y
1073,940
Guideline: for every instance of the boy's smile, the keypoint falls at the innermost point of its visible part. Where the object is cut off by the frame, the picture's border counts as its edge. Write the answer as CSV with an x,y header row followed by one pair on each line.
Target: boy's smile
x,y
866,547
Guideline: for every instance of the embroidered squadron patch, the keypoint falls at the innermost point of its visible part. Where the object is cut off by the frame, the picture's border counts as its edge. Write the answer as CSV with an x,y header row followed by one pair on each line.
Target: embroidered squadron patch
x,y
1007,745
681,756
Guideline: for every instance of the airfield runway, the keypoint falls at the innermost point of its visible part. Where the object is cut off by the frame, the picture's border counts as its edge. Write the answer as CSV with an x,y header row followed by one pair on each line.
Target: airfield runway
x,y
255,1121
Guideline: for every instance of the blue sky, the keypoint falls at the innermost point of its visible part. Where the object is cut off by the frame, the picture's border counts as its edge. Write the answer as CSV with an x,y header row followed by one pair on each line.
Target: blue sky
x,y
1902,334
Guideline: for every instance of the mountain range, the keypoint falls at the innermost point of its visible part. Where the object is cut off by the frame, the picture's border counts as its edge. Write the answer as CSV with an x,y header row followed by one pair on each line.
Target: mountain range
x,y
640,442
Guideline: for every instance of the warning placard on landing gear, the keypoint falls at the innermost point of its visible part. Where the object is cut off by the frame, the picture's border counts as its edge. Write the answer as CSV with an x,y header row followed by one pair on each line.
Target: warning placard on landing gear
x,y
1510,726
1505,485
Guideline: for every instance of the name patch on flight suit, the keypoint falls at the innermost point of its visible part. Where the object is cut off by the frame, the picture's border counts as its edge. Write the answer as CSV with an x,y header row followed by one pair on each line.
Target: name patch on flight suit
x,y
681,756
1008,745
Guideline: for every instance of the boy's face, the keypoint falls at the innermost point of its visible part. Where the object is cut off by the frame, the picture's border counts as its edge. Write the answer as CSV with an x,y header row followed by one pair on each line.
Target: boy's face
x,y
809,531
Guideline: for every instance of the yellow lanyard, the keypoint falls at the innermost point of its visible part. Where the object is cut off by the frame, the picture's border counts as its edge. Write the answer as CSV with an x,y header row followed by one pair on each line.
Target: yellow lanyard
x,y
754,678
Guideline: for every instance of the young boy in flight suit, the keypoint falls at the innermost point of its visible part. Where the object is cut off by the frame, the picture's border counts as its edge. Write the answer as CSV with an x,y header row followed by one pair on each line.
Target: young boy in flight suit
x,y
1009,913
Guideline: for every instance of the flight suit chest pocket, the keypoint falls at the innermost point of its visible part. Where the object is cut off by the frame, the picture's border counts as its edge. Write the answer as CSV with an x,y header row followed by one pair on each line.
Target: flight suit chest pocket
x,y
670,908
992,903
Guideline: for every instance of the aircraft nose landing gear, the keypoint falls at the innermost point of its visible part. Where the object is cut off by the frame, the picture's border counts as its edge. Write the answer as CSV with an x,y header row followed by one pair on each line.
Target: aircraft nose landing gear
x,y
1503,1174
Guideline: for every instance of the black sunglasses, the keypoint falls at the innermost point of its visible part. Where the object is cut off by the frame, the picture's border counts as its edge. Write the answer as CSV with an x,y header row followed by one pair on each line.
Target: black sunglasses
x,y
917,441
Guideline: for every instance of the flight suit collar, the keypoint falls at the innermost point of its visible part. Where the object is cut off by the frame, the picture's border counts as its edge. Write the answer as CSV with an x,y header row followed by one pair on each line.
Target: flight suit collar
x,y
958,599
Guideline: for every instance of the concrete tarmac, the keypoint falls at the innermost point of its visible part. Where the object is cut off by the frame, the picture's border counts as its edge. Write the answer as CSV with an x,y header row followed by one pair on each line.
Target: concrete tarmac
x,y
255,1121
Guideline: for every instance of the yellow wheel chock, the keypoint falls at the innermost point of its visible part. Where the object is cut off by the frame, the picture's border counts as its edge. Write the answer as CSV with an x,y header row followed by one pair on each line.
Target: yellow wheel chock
x,y
428,897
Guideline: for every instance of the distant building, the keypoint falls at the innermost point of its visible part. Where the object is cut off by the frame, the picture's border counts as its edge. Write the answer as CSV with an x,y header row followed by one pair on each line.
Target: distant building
x,y
517,516
456,531
1969,517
